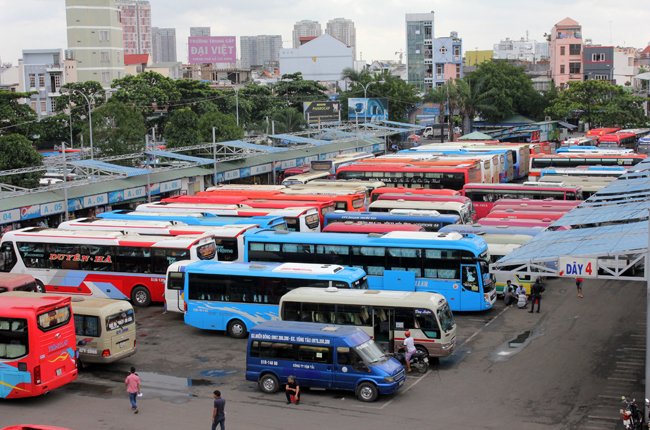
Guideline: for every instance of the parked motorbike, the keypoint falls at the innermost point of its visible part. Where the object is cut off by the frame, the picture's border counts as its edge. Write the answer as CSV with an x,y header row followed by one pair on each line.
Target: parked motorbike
x,y
631,415
419,360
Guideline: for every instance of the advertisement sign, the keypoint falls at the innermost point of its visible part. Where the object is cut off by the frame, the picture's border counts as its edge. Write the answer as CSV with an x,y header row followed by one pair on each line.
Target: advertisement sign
x,y
116,196
10,216
52,208
29,212
316,112
212,49
578,267
96,200
360,109
135,193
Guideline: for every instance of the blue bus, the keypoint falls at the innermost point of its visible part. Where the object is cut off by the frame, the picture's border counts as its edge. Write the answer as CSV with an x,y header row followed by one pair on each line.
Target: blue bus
x,y
490,229
203,219
429,222
236,296
450,264
320,356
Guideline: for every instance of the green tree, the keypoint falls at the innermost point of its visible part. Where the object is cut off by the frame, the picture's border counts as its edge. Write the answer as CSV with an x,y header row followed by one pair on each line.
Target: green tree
x,y
149,92
225,127
599,103
288,120
16,117
16,151
182,128
295,90
117,129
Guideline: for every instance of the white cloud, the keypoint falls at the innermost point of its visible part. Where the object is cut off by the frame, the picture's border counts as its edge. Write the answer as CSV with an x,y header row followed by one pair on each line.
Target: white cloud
x,y
379,23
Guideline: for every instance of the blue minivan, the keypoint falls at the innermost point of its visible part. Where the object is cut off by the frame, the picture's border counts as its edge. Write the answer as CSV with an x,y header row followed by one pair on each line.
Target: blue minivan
x,y
320,356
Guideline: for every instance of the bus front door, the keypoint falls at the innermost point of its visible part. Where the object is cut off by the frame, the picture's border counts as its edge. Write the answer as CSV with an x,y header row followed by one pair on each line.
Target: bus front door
x,y
382,321
470,292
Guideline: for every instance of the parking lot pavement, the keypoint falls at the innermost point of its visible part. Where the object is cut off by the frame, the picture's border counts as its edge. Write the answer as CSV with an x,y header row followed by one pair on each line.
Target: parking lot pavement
x,y
562,368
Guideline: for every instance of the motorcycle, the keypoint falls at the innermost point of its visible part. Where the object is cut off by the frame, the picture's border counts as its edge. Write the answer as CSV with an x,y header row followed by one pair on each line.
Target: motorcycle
x,y
419,360
631,415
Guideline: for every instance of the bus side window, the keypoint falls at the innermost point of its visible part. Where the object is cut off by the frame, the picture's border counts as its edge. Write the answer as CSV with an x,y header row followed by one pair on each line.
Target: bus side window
x,y
8,257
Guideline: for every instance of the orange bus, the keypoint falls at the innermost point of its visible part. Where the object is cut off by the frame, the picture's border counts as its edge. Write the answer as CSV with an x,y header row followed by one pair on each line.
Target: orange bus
x,y
37,345
413,191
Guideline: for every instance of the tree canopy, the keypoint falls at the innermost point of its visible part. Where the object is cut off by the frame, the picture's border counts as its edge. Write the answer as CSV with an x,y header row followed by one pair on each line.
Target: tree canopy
x,y
117,129
225,127
182,128
16,151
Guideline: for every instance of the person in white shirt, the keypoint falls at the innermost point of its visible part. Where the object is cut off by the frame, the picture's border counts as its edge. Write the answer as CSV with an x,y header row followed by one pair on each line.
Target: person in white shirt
x,y
409,344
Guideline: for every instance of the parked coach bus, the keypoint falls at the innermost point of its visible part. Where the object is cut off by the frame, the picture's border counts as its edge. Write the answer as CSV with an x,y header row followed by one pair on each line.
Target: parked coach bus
x,y
428,220
236,296
17,282
484,195
539,162
464,210
102,264
384,315
449,264
369,227
414,191
431,198
37,345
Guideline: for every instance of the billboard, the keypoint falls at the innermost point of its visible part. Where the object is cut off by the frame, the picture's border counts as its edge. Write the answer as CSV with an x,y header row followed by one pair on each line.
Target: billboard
x,y
315,112
360,109
211,49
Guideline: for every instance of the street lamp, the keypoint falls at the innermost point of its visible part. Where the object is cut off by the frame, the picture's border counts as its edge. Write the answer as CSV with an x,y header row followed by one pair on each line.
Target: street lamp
x,y
90,118
237,103
365,88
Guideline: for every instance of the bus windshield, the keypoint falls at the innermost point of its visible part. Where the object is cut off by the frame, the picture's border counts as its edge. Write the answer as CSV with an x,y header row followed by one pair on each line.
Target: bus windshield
x,y
446,318
370,353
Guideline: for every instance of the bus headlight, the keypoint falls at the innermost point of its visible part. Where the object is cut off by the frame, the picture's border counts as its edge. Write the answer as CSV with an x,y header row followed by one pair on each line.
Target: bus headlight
x,y
389,379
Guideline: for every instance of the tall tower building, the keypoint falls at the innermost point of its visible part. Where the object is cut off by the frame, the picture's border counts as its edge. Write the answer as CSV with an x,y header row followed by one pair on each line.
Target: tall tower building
x,y
135,16
565,49
163,45
305,28
199,31
343,30
419,49
260,50
95,40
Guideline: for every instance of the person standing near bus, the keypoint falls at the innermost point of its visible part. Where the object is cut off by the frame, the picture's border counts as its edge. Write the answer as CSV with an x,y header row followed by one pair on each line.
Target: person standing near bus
x,y
219,411
132,383
579,282
536,295
409,344
292,390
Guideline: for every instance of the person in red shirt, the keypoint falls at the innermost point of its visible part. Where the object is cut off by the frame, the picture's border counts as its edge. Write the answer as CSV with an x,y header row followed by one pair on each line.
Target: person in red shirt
x,y
579,286
132,383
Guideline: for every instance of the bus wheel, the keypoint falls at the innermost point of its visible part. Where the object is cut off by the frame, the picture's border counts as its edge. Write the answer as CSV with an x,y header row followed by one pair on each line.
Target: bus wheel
x,y
269,383
237,329
367,392
422,350
140,296
40,288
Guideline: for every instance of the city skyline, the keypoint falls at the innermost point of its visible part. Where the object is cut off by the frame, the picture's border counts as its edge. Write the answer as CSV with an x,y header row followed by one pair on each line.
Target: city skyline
x,y
379,25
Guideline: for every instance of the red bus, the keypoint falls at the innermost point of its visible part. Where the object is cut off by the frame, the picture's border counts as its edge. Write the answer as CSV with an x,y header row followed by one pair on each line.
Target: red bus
x,y
291,171
37,345
569,160
369,227
597,132
513,222
485,195
516,214
408,175
430,198
525,207
413,191
621,139
560,204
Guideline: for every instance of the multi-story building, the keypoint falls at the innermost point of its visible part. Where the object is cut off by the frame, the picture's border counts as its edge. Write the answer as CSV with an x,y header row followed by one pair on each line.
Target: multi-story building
x,y
95,40
598,62
200,31
625,67
322,59
565,49
163,45
343,30
44,71
447,59
476,57
521,50
305,28
419,49
135,17
263,50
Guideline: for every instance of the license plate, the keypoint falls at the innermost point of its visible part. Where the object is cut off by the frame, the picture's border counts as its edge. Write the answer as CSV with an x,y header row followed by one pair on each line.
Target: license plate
x,y
59,372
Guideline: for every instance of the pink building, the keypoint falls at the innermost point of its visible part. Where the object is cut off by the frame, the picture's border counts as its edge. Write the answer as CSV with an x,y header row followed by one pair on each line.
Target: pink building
x,y
565,49
135,17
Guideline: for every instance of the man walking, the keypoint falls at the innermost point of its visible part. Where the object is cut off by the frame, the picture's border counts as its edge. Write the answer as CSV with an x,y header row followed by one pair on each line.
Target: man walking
x,y
218,413
132,383
536,295
579,287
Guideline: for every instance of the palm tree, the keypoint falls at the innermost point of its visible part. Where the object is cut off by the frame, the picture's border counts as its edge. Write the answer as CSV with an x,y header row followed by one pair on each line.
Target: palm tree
x,y
288,120
356,78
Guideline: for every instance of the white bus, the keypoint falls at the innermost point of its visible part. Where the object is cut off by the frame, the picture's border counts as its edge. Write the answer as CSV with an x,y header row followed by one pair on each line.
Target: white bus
x,y
229,239
299,218
100,263
304,178
333,164
384,315
463,210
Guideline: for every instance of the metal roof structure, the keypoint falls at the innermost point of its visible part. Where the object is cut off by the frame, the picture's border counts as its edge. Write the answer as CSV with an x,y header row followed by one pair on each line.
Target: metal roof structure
x,y
299,139
251,147
610,230
403,125
109,168
181,157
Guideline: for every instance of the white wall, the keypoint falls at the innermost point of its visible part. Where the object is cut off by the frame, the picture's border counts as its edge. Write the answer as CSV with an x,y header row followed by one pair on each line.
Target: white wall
x,y
322,59
623,67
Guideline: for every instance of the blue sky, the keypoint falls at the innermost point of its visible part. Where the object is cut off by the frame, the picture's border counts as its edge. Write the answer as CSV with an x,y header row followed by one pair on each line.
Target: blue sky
x,y
29,24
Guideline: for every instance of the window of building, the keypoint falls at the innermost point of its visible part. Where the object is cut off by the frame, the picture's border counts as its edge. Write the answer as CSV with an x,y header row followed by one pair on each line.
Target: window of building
x,y
601,77
41,81
106,77
32,80
443,50
575,49
104,57
456,51
562,69
43,106
439,69
104,35
562,50
574,68
57,81
598,58
457,71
